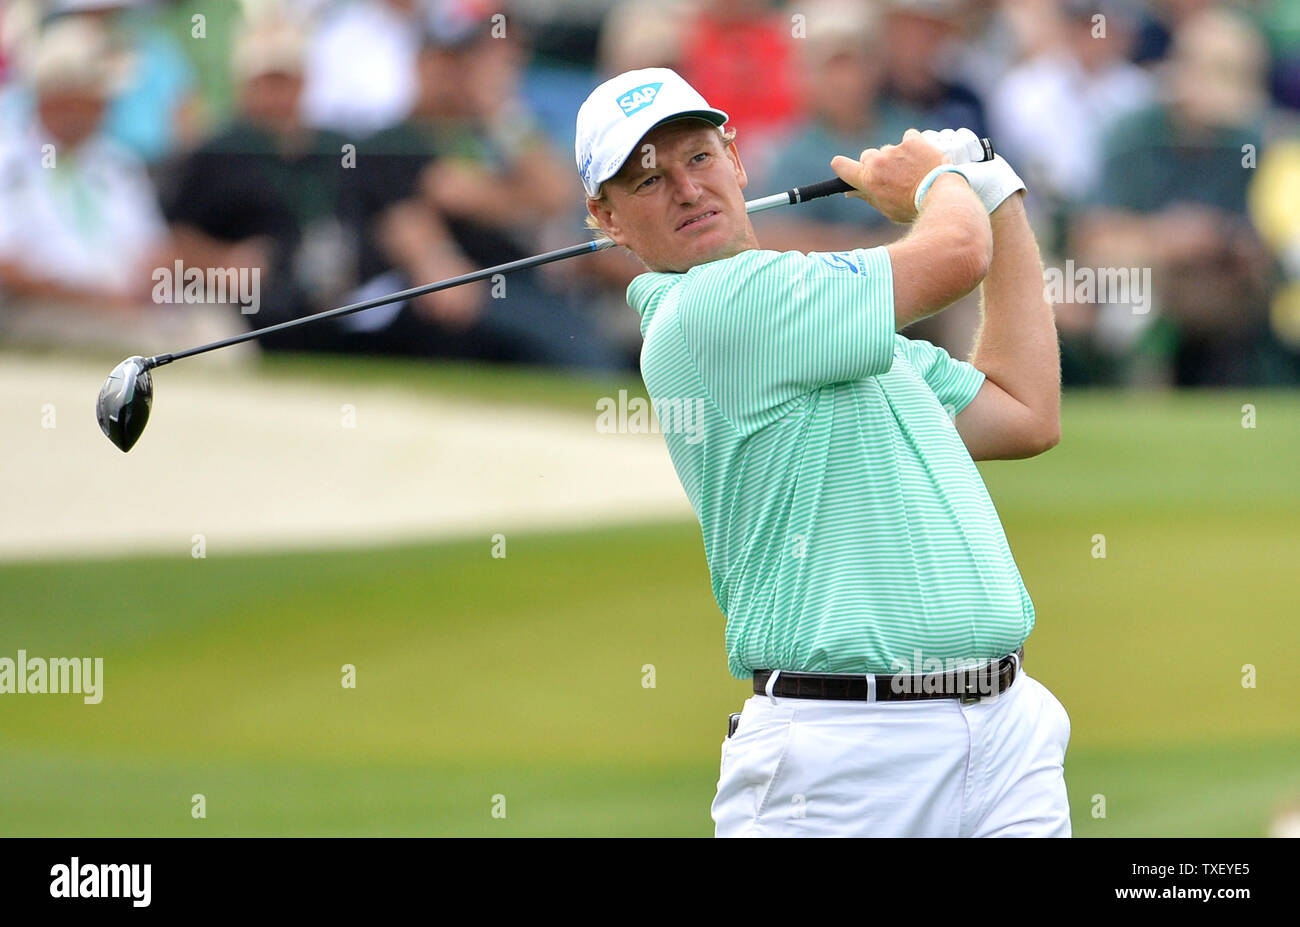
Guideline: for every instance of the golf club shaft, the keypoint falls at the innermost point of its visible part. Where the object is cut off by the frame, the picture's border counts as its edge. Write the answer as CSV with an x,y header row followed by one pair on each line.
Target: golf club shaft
x,y
801,194
586,247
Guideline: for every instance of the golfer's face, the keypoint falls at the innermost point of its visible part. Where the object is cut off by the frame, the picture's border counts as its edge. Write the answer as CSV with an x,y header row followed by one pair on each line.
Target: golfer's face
x,y
677,202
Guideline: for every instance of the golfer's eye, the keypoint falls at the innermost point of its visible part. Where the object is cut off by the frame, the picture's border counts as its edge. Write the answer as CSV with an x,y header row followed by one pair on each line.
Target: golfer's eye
x,y
699,158
646,183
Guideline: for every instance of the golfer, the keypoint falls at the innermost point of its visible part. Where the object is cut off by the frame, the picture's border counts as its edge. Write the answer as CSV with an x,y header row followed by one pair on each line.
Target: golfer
x,y
867,584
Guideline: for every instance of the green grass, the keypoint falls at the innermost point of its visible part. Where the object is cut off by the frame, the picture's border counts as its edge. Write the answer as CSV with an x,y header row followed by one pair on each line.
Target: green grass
x,y
522,676
75,796
1220,791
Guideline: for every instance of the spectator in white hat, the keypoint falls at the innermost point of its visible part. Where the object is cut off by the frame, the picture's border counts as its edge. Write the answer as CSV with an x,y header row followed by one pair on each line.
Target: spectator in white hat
x,y
78,216
80,228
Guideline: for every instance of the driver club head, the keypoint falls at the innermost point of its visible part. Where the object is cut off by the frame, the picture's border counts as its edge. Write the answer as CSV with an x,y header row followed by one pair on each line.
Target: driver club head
x,y
124,402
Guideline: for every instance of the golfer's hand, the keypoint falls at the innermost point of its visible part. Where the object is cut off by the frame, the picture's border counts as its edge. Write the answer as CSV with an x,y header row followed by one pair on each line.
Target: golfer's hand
x,y
962,146
993,181
887,177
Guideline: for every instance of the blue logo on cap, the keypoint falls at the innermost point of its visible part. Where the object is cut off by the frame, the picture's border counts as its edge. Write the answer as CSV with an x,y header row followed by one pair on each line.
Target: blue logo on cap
x,y
638,98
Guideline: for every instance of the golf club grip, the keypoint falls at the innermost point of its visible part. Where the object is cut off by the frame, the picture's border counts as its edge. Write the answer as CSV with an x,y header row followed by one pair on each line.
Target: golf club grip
x,y
814,191
835,185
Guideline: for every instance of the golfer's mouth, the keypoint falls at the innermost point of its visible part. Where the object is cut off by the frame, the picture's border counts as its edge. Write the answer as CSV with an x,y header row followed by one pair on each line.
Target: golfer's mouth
x,y
698,219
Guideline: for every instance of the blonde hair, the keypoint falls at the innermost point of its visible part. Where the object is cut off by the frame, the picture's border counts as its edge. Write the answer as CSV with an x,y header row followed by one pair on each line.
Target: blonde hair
x,y
727,137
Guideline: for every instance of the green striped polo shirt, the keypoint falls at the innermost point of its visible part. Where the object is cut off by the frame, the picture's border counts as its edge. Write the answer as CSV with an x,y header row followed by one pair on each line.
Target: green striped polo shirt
x,y
846,526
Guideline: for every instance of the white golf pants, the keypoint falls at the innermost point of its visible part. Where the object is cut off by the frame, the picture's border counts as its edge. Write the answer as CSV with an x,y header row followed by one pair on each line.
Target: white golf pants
x,y
798,767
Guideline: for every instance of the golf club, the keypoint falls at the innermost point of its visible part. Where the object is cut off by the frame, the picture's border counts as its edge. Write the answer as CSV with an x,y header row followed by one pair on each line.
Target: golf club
x,y
126,397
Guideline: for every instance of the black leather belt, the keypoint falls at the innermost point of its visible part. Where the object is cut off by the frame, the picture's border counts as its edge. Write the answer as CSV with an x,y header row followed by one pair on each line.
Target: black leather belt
x,y
969,685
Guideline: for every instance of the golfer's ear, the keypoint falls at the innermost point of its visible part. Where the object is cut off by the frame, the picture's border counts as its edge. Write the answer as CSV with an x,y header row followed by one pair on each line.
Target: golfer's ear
x,y
734,154
601,213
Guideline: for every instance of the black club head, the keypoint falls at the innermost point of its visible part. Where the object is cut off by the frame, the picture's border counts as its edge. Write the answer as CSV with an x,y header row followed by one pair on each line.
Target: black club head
x,y
124,402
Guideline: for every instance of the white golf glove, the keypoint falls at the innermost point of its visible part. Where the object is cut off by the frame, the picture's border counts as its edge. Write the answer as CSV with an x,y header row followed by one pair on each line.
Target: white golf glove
x,y
993,181
961,145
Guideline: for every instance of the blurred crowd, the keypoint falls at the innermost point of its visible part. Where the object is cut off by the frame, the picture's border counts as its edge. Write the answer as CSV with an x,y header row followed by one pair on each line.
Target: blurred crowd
x,y
334,150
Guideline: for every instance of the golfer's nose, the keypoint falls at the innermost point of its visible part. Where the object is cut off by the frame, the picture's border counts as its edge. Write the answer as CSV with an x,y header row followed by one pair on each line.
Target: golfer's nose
x,y
685,190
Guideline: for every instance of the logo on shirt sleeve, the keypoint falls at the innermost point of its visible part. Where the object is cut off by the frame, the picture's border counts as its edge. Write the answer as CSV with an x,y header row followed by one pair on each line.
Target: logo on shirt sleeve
x,y
840,260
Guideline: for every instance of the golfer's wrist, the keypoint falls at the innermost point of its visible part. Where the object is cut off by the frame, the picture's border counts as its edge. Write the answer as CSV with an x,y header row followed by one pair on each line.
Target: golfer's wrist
x,y
929,180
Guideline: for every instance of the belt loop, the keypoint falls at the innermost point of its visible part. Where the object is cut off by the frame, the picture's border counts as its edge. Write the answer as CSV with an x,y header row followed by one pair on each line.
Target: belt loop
x,y
771,684
1016,657
871,687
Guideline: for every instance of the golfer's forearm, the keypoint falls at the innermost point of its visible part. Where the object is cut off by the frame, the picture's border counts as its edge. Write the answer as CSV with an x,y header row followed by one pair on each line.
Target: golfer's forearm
x,y
1016,344
944,256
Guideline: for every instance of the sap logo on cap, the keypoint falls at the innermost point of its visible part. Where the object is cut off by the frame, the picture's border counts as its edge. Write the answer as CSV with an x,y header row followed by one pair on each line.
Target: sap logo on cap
x,y
638,98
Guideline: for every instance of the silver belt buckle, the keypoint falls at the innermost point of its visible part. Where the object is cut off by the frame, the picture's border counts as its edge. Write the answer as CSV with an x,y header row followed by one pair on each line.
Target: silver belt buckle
x,y
973,694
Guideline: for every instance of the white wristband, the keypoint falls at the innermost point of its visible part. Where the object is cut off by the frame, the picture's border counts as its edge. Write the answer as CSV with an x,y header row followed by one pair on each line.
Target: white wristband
x,y
924,186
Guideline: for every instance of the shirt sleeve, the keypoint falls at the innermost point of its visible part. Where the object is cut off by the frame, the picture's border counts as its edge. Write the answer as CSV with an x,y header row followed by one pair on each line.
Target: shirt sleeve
x,y
765,328
954,382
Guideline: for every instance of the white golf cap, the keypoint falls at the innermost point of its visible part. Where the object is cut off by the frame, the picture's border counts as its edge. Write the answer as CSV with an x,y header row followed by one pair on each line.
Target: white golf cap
x,y
619,112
